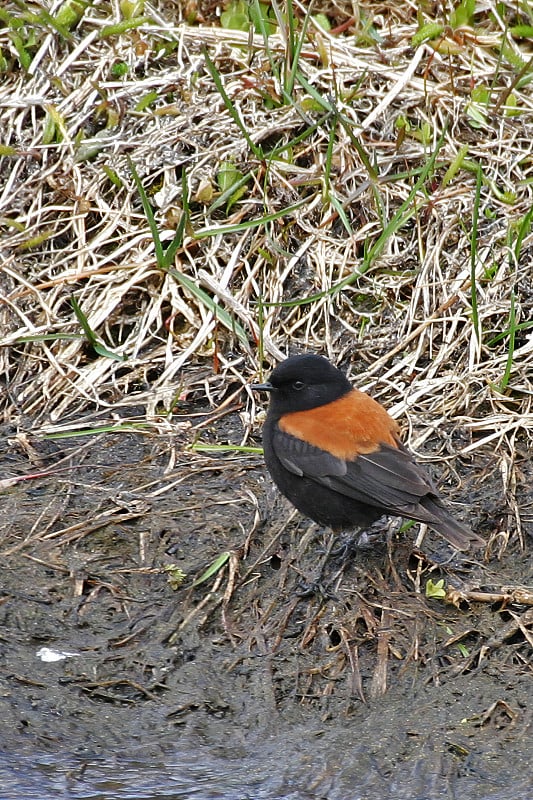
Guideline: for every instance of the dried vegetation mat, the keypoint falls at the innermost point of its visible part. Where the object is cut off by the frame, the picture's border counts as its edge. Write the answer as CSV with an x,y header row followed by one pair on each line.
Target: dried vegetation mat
x,y
183,202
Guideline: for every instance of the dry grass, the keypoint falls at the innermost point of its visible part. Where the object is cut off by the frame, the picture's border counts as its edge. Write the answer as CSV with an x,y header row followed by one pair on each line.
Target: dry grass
x,y
430,278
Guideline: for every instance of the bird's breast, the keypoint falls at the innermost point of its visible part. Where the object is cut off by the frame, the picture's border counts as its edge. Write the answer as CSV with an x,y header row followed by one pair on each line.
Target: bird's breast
x,y
353,425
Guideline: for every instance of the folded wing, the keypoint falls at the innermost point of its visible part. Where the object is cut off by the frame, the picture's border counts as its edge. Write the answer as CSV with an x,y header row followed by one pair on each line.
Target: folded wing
x,y
387,478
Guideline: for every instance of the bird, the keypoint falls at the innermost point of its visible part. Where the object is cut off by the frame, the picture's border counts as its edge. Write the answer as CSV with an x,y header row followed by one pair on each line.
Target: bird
x,y
336,454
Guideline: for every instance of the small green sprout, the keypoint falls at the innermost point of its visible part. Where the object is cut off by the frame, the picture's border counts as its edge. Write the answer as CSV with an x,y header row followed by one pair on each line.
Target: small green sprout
x,y
435,589
175,574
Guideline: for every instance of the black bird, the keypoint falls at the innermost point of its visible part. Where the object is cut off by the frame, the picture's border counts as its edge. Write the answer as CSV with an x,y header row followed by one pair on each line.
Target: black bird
x,y
336,454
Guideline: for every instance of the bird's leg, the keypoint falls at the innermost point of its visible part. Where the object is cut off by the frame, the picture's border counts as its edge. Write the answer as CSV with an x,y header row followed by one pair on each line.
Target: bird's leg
x,y
316,586
364,539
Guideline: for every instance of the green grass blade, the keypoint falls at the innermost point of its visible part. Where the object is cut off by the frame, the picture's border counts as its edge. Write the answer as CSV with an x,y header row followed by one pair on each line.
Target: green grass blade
x,y
92,338
341,211
510,353
224,198
198,447
257,151
149,214
295,44
265,35
455,166
203,233
312,92
473,254
48,337
521,326
177,241
213,568
163,258
126,427
218,312
84,322
307,133
400,218
523,231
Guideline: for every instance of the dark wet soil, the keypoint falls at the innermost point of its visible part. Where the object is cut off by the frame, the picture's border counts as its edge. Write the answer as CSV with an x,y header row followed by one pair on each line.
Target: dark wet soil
x,y
322,659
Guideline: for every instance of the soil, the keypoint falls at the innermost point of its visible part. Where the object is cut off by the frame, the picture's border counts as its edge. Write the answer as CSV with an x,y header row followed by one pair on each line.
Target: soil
x,y
304,666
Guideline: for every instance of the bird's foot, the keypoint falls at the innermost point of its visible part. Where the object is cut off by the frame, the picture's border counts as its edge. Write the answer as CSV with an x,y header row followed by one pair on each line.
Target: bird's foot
x,y
350,544
315,588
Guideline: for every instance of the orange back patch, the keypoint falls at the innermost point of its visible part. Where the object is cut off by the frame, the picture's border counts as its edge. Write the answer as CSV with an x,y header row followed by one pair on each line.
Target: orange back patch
x,y
354,424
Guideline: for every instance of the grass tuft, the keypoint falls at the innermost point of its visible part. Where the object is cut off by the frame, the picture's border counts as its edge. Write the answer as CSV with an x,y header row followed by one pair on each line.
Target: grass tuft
x,y
214,198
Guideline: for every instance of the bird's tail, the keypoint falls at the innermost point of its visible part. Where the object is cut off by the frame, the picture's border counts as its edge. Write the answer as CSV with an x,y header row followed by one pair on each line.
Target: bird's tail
x,y
458,535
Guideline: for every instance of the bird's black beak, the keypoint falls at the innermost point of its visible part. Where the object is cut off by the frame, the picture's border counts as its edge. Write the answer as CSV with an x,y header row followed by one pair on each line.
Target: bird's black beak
x,y
262,387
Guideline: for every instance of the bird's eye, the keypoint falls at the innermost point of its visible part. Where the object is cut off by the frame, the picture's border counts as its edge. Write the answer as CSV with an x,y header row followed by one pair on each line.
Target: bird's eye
x,y
298,385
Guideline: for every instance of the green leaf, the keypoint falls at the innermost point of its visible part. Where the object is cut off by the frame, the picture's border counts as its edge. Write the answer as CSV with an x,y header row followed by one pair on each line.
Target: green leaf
x,y
123,27
203,233
231,182
511,108
477,118
146,101
233,193
522,31
177,241
455,165
322,21
474,254
261,17
24,56
524,228
235,17
227,175
131,9
510,352
480,94
337,205
435,590
119,69
426,33
113,176
463,14
69,14
48,337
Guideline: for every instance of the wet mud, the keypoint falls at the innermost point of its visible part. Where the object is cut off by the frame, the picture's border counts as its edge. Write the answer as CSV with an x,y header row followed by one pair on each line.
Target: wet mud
x,y
305,665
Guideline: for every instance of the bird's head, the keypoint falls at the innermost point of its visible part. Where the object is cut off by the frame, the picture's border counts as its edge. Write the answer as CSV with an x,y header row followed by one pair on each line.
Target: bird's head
x,y
303,382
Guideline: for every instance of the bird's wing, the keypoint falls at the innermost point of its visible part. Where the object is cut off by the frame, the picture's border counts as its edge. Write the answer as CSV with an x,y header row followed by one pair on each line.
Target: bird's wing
x,y
387,478
303,459
390,478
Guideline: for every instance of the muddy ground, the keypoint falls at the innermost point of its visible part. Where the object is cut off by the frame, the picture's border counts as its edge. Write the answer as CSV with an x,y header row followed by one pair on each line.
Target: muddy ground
x,y
326,663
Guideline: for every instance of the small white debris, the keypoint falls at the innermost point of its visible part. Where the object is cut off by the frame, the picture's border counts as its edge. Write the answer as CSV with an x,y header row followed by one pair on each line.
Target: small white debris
x,y
49,655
